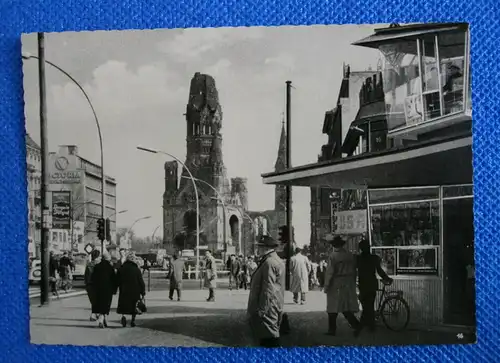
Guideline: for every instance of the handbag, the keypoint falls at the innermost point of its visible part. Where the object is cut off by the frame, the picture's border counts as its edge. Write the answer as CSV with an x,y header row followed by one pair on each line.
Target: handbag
x,y
141,306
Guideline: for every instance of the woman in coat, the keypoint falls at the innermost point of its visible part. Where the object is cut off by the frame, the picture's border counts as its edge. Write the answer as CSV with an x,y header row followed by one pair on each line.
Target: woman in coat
x,y
132,289
210,282
103,281
340,287
89,269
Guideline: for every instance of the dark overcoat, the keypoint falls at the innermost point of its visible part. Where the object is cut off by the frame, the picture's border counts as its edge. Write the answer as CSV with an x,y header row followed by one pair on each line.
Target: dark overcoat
x,y
103,282
131,285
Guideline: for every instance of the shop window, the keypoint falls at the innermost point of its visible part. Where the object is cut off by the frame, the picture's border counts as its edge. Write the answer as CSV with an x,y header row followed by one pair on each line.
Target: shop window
x,y
406,234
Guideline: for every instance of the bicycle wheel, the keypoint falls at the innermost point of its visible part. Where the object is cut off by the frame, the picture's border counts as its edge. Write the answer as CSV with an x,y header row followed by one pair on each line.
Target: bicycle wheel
x,y
395,313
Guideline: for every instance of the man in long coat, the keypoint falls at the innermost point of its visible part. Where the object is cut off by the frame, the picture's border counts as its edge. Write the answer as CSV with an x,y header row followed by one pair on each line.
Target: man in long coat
x,y
299,273
176,270
210,278
267,294
340,286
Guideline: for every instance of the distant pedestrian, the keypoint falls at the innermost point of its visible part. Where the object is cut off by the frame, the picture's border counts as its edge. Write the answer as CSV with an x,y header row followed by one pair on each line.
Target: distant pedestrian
x,y
243,273
121,259
321,273
234,272
65,266
340,286
210,279
103,281
267,294
369,265
89,269
53,267
299,276
132,289
252,266
176,272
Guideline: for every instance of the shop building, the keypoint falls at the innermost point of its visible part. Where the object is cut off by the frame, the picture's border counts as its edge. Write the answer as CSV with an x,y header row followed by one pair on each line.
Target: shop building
x,y
416,169
75,185
33,178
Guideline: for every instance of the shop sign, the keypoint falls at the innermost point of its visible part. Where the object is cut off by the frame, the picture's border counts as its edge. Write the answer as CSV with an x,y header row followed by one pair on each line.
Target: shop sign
x,y
351,222
62,171
61,210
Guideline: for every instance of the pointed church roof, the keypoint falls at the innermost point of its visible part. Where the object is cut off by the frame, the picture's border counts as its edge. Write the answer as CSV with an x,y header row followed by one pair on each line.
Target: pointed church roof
x,y
281,159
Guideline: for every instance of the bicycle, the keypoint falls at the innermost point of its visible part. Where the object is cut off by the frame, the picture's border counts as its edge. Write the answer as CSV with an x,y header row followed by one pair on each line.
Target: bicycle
x,y
392,304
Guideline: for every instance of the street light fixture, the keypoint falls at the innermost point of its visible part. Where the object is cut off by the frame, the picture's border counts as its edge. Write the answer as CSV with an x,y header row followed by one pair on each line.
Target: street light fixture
x,y
135,222
154,151
27,56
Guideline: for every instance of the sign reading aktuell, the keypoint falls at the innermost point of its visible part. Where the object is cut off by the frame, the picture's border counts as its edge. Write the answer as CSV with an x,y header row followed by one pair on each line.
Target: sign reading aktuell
x,y
61,210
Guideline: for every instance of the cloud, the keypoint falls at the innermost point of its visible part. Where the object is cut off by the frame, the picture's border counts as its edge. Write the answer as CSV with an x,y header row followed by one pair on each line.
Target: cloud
x,y
219,69
192,43
281,61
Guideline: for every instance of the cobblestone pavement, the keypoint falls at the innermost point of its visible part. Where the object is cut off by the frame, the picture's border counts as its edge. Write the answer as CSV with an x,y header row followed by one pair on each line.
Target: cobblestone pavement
x,y
194,322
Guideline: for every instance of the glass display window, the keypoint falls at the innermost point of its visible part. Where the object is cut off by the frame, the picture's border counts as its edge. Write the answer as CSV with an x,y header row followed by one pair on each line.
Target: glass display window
x,y
417,260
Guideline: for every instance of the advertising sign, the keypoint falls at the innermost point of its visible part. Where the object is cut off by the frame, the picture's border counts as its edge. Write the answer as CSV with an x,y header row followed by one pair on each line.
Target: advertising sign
x,y
61,210
62,171
351,222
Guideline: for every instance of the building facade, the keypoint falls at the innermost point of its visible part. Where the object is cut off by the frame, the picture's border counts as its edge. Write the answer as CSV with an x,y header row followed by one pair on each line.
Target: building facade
x,y
79,181
33,177
226,224
412,157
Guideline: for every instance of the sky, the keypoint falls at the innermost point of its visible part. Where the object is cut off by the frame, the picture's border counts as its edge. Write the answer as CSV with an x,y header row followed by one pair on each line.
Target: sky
x,y
138,82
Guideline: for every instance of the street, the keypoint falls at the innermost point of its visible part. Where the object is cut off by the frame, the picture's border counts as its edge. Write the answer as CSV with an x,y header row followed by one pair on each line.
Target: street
x,y
194,322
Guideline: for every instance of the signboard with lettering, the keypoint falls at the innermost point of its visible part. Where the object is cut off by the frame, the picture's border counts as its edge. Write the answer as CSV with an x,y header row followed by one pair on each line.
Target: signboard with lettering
x,y
62,171
351,222
61,210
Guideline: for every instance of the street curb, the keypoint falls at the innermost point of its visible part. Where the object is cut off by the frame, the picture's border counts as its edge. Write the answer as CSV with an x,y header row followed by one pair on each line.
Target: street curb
x,y
61,296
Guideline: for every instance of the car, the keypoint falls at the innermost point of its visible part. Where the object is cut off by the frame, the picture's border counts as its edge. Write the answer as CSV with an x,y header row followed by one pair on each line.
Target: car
x,y
80,261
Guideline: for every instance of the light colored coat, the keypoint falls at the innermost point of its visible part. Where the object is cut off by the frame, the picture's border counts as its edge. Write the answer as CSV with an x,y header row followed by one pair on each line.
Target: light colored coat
x,y
340,282
266,299
299,271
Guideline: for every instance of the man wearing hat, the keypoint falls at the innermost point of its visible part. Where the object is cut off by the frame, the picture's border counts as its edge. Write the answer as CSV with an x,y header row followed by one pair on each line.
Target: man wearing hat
x,y
340,286
267,294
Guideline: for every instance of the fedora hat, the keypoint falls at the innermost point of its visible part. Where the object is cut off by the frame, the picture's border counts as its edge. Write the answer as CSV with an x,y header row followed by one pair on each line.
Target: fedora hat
x,y
267,241
335,241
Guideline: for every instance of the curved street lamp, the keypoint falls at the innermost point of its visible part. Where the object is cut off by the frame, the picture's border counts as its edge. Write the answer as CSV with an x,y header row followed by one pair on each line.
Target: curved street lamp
x,y
103,177
153,151
135,222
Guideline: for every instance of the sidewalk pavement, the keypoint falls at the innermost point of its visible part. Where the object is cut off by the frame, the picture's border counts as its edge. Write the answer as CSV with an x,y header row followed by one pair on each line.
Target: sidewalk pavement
x,y
194,322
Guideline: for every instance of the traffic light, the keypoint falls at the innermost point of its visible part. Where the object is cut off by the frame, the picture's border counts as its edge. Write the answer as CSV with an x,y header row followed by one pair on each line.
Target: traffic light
x,y
100,229
283,236
108,230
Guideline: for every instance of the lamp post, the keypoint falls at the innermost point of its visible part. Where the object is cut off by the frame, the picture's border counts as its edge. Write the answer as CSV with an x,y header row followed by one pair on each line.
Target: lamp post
x,y
135,222
254,225
224,236
153,236
153,151
42,60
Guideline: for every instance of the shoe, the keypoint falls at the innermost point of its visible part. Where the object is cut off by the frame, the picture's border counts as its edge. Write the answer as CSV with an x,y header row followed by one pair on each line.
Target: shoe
x,y
132,324
171,298
212,299
124,321
179,299
101,325
105,324
302,302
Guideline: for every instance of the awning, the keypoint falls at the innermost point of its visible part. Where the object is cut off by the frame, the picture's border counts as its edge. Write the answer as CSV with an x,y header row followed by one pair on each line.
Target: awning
x,y
387,35
436,162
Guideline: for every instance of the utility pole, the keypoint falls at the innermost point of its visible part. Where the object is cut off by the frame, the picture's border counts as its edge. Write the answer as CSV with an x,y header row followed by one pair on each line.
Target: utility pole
x,y
46,217
288,190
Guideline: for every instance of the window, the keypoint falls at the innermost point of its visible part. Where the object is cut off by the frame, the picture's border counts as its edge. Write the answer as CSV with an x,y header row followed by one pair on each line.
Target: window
x,y
405,229
426,78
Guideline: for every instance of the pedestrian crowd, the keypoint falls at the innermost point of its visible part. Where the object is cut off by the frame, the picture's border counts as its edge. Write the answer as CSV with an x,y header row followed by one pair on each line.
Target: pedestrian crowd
x,y
61,272
340,276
